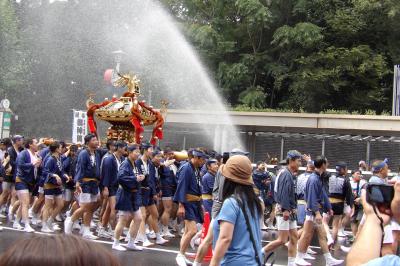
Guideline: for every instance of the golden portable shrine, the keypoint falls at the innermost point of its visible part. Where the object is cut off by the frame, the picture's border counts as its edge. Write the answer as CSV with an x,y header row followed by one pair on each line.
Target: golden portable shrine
x,y
127,115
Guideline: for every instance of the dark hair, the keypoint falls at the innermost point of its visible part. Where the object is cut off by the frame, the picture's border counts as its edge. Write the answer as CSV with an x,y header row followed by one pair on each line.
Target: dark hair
x,y
259,162
89,137
7,142
120,144
54,146
65,250
320,161
63,144
355,171
28,142
110,143
73,148
244,192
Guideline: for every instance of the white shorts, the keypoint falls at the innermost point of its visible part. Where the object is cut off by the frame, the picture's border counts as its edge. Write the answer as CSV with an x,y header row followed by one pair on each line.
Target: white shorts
x,y
312,219
22,191
388,238
166,198
7,186
53,196
347,209
41,190
395,226
88,198
285,225
67,194
127,213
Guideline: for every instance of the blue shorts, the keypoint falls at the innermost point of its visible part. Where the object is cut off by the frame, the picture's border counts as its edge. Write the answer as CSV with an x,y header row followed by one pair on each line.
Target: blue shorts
x,y
208,205
127,200
53,191
147,199
23,186
112,191
90,187
193,211
301,214
167,192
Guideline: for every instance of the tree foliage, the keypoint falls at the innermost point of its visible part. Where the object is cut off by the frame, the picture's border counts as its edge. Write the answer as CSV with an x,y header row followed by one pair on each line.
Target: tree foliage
x,y
310,55
298,55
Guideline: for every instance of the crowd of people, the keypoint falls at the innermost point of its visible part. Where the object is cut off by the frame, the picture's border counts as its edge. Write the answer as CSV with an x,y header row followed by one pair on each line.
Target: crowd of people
x,y
145,195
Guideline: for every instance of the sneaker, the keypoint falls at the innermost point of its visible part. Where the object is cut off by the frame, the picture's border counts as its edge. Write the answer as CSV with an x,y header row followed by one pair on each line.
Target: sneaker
x,y
102,233
152,235
167,233
180,260
301,262
68,226
308,257
55,227
17,225
332,262
311,252
35,221
132,246
117,246
139,238
341,233
76,225
28,228
59,218
46,229
160,241
147,243
345,249
89,235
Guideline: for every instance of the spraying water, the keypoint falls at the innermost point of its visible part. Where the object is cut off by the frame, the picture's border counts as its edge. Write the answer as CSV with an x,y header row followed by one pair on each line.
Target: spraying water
x,y
156,51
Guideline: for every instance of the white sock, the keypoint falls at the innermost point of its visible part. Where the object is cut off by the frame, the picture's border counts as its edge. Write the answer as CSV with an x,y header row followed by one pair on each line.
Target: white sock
x,y
291,259
301,255
330,238
327,256
158,236
116,241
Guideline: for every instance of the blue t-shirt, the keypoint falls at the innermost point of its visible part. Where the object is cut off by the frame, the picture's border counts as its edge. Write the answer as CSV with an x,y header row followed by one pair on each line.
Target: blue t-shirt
x,y
388,260
240,251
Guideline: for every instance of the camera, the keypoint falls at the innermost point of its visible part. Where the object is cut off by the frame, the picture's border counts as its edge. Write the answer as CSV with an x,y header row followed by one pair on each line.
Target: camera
x,y
380,194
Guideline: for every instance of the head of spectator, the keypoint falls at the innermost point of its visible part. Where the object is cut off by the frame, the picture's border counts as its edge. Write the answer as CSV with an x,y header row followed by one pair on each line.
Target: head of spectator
x,y
65,250
356,174
260,166
380,168
91,141
362,165
212,166
18,141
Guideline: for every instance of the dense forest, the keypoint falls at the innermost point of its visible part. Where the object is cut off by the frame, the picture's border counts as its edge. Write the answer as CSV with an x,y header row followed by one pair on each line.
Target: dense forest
x,y
289,55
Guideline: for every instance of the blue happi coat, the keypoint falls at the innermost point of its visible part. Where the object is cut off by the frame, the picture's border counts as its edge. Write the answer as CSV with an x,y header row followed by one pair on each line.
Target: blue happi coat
x,y
127,197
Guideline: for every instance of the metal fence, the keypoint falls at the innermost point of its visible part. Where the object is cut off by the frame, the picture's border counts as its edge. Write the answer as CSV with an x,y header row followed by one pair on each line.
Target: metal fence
x,y
348,148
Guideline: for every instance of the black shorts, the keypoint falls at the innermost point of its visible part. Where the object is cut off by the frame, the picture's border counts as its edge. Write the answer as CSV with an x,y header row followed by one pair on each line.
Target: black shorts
x,y
9,179
338,208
